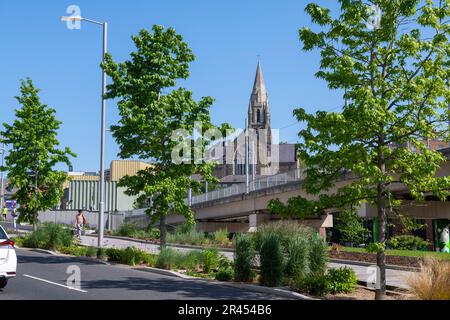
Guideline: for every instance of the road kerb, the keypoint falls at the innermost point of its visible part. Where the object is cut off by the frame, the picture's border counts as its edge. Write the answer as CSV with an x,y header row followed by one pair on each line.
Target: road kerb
x,y
56,254
243,286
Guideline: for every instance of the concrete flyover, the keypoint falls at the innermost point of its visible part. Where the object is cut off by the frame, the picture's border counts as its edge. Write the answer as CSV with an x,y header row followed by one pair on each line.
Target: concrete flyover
x,y
237,211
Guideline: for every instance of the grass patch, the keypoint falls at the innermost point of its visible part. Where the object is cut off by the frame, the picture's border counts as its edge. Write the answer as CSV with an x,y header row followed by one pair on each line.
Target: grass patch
x,y
404,253
130,230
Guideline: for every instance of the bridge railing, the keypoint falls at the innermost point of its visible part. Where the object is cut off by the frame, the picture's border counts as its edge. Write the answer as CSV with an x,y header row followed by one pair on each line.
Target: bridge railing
x,y
255,185
276,180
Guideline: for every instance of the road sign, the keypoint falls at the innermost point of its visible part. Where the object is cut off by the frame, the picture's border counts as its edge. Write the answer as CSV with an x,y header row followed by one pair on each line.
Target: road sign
x,y
11,204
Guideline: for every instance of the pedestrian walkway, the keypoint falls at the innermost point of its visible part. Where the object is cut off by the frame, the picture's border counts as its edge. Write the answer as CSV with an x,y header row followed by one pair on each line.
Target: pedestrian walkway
x,y
394,278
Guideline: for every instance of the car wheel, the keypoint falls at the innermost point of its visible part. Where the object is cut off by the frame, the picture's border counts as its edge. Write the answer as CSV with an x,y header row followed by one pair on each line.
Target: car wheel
x,y
3,283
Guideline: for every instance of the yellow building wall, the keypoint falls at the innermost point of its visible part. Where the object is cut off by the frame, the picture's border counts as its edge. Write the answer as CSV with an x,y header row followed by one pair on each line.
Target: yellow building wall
x,y
79,178
122,168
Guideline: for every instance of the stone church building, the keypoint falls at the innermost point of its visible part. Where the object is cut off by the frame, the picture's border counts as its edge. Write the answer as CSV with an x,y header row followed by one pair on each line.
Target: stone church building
x,y
265,155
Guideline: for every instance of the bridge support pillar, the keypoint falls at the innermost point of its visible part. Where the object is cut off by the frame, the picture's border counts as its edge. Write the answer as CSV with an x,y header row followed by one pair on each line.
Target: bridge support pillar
x,y
257,219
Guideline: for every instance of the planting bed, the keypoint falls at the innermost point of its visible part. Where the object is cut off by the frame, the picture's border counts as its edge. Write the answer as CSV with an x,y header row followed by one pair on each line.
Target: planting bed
x,y
372,258
365,294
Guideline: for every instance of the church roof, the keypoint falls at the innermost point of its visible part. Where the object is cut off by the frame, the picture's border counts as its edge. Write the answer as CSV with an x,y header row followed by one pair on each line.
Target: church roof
x,y
259,87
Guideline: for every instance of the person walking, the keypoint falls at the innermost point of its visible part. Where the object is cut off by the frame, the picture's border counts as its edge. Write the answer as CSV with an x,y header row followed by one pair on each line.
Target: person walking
x,y
4,213
80,221
14,216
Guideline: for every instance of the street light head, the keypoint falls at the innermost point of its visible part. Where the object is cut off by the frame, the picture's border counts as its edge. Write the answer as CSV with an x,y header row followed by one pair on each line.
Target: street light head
x,y
71,18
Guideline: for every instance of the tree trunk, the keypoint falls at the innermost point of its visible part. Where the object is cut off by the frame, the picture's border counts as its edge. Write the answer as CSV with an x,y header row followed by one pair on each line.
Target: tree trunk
x,y
381,256
35,221
162,231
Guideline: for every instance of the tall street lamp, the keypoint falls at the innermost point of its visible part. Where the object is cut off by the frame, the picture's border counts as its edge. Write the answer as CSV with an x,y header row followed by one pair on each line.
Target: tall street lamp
x,y
103,125
2,181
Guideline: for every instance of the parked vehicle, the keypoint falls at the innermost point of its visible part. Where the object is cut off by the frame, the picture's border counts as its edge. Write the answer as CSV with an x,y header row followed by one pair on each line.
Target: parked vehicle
x,y
8,258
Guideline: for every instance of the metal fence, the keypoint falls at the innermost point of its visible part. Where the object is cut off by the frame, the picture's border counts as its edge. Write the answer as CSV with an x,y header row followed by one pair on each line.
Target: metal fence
x,y
260,183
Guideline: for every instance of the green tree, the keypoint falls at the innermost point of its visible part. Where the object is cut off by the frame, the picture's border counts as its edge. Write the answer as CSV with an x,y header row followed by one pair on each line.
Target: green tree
x,y
351,228
152,107
395,83
34,154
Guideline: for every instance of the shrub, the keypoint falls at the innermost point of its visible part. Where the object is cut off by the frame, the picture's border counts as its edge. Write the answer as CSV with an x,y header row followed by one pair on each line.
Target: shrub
x,y
58,236
74,251
312,284
185,228
350,227
221,237
114,254
19,241
433,280
341,280
33,240
101,253
91,252
191,260
149,259
224,274
244,256
127,256
139,234
318,254
271,261
127,230
297,257
154,233
224,262
210,259
375,247
132,256
408,242
189,237
285,231
167,258
49,236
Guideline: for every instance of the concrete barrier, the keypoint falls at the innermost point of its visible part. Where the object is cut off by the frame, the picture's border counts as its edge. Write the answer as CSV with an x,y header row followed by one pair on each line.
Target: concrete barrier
x,y
112,221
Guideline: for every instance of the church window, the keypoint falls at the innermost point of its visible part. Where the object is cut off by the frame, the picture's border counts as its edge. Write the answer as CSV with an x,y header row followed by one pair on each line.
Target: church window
x,y
258,115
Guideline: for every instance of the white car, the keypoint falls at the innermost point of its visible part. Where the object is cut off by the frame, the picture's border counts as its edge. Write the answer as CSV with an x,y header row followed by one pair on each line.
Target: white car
x,y
8,258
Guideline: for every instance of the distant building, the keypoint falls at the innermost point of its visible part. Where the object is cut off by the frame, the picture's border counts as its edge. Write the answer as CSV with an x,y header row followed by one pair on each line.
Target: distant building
x,y
81,190
264,156
122,168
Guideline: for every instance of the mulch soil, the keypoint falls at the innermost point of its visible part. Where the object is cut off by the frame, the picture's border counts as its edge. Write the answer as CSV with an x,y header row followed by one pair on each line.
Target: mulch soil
x,y
372,258
365,294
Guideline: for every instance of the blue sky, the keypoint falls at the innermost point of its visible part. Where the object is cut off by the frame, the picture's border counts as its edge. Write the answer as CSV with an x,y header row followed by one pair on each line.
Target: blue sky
x,y
226,37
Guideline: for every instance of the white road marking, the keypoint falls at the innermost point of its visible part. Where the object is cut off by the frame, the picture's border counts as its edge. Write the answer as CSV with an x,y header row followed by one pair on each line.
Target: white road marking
x,y
54,283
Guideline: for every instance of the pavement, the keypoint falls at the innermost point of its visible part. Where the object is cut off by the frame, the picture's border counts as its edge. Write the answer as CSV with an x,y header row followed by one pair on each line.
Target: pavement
x,y
43,276
394,278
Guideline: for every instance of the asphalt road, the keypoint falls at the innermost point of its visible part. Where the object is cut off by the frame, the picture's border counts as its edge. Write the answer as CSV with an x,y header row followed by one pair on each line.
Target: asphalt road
x,y
43,276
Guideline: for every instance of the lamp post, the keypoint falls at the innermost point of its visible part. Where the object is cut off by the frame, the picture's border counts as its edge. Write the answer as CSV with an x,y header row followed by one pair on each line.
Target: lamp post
x,y
103,125
2,181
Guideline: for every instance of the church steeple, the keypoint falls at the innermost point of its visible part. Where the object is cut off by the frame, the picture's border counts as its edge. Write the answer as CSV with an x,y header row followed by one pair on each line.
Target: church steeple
x,y
259,93
258,111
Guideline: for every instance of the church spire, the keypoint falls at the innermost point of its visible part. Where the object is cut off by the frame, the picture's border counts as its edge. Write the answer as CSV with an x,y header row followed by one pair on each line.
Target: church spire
x,y
259,88
258,110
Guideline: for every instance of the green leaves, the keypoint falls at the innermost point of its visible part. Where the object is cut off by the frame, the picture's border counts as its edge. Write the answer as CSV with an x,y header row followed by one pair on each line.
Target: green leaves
x,y
318,14
152,107
396,90
34,151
